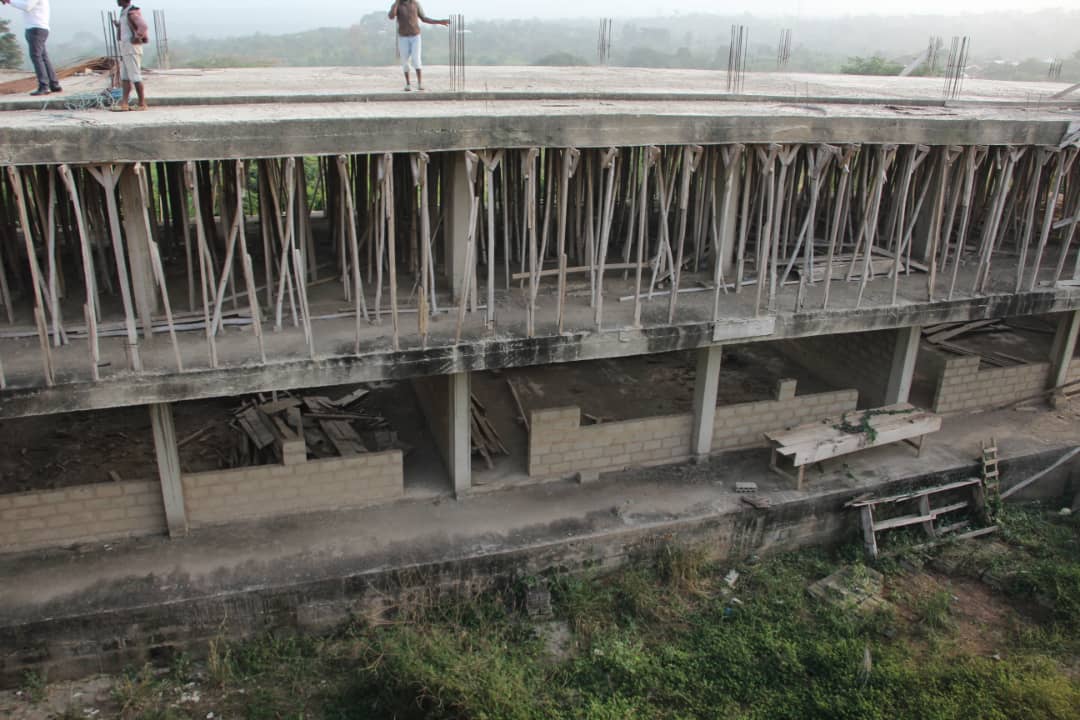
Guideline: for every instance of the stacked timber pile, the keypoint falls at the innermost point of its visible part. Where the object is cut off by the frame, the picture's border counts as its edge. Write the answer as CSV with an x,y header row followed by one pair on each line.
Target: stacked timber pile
x,y
486,441
81,67
329,427
942,336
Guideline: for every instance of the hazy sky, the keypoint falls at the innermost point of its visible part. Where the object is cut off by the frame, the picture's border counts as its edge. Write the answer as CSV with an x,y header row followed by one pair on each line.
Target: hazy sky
x,y
213,17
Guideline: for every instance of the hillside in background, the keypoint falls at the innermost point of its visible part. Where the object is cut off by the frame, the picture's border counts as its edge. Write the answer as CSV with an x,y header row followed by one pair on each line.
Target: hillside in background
x,y
1017,46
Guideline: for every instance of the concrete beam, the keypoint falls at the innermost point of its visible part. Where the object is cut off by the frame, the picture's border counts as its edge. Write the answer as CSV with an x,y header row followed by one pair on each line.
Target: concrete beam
x,y
168,462
126,390
706,385
460,428
905,354
330,129
1063,348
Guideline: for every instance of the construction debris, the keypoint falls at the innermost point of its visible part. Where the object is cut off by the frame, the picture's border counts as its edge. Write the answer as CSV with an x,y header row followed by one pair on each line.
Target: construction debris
x,y
486,441
82,67
746,488
330,428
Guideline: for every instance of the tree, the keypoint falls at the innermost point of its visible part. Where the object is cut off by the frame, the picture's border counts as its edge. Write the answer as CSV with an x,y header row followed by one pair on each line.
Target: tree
x,y
875,65
10,55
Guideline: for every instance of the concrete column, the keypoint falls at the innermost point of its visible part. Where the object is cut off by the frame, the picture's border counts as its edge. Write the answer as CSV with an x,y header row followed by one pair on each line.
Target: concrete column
x,y
460,431
459,206
168,461
138,250
1064,347
705,387
903,365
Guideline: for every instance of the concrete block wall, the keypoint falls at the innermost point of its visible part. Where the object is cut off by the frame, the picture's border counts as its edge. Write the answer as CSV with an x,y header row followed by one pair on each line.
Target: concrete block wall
x,y
559,446
742,425
83,514
848,360
275,490
963,386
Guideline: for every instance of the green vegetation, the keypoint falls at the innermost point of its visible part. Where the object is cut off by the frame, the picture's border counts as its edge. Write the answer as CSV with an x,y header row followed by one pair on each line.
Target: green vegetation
x,y
875,65
11,56
669,638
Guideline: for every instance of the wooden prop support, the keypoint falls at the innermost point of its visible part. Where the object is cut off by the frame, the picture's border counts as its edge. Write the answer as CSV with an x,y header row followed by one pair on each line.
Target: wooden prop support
x,y
354,249
90,306
650,156
204,261
35,276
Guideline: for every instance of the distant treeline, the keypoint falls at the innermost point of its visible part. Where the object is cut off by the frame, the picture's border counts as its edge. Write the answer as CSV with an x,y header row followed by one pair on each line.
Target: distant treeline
x,y
1008,46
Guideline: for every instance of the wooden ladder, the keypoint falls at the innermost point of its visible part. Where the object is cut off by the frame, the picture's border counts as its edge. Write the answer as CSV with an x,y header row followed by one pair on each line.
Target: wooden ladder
x,y
990,476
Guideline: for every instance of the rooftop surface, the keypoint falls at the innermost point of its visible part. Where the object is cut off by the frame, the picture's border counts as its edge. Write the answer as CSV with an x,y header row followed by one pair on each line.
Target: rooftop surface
x,y
244,113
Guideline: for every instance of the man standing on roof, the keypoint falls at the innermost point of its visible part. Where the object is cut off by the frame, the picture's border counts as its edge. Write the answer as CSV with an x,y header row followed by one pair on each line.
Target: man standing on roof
x,y
37,32
132,32
409,15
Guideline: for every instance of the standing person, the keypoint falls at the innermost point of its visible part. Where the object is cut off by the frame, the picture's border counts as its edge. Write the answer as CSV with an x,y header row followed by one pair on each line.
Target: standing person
x,y
132,32
409,15
37,32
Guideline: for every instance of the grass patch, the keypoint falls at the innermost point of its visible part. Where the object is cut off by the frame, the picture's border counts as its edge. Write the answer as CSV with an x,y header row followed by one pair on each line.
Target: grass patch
x,y
665,639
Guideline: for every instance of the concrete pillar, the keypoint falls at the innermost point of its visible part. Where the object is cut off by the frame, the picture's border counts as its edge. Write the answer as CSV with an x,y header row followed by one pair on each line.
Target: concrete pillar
x,y
168,461
138,249
705,387
903,365
1064,347
459,206
460,431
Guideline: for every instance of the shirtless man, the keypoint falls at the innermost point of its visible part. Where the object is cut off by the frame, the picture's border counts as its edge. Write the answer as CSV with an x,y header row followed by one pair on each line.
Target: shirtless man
x,y
409,15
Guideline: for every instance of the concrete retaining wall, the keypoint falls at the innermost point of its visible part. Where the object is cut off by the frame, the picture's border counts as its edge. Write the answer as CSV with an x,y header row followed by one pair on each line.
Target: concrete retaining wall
x,y
859,360
560,446
84,514
270,491
963,386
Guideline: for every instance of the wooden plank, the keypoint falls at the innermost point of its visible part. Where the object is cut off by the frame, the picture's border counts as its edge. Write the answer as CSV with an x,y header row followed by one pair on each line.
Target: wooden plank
x,y
963,329
826,429
352,398
517,402
278,406
260,432
851,443
912,495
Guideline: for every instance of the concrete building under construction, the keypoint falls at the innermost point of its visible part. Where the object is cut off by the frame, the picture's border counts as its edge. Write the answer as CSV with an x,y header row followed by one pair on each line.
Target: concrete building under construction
x,y
265,348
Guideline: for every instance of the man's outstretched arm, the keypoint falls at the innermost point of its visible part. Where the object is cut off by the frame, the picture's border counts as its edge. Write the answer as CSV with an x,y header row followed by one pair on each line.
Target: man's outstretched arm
x,y
393,11
425,18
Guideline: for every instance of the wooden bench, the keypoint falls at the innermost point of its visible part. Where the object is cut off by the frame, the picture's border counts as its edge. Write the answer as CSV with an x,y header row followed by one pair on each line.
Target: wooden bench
x,y
854,431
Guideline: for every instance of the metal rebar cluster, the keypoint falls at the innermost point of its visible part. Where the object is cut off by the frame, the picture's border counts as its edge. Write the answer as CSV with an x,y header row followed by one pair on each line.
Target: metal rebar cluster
x,y
603,42
737,52
956,66
457,53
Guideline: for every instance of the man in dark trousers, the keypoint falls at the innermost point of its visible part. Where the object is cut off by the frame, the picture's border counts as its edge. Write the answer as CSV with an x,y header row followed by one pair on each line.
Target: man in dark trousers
x,y
409,15
37,32
132,33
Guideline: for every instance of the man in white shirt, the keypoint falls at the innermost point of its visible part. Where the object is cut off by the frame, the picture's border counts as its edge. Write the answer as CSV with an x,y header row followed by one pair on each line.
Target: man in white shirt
x,y
37,32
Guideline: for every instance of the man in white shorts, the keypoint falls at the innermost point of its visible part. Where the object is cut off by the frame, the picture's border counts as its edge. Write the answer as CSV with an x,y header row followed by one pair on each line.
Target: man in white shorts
x,y
409,15
132,32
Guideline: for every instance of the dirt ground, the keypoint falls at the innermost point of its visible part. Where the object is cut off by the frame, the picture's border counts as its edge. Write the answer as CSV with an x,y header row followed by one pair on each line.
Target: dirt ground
x,y
77,449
